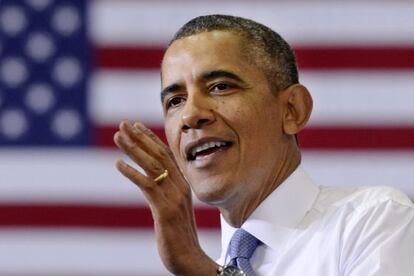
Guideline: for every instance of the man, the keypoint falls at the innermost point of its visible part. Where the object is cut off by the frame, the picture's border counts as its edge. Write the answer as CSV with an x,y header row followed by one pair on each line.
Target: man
x,y
233,106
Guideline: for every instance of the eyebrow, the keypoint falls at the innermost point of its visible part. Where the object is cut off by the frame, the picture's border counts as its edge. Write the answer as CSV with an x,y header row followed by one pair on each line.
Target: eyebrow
x,y
207,76
220,74
170,89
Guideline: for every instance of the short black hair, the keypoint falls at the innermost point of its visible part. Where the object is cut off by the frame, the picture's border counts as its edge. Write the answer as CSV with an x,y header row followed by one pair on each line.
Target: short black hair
x,y
265,46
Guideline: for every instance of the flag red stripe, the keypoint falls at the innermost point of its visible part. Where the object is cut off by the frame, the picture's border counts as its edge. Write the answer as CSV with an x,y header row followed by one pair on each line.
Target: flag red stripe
x,y
308,58
103,136
355,58
347,138
357,138
102,216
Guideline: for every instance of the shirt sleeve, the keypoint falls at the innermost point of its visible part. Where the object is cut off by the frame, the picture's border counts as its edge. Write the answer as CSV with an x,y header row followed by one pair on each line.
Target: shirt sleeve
x,y
379,240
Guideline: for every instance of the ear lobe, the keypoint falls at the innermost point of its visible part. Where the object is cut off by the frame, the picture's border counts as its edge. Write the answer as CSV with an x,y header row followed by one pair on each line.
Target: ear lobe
x,y
298,109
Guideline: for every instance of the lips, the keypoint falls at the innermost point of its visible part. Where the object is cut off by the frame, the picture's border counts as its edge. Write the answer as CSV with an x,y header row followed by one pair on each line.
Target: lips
x,y
205,147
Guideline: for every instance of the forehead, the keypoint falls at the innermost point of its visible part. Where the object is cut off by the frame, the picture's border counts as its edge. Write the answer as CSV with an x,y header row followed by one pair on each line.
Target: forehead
x,y
204,51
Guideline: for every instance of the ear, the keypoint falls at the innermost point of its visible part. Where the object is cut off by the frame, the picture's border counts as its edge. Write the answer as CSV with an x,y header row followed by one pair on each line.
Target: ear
x,y
298,108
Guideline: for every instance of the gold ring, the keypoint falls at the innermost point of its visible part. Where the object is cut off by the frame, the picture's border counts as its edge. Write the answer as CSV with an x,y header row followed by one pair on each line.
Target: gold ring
x,y
161,177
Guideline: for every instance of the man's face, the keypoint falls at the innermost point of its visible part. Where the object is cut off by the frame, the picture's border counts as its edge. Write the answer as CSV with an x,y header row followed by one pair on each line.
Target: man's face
x,y
222,122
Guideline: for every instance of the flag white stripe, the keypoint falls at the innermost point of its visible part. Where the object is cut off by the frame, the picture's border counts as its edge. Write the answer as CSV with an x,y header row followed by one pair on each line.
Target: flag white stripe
x,y
115,95
89,176
340,97
300,22
84,251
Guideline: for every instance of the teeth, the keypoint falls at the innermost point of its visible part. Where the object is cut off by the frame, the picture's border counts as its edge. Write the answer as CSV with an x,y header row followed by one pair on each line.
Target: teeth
x,y
207,146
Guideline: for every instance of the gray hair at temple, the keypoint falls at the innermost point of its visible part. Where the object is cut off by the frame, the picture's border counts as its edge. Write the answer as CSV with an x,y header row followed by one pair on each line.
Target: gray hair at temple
x,y
266,48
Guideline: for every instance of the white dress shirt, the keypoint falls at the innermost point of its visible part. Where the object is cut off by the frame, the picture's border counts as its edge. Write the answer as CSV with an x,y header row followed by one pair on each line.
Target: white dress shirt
x,y
308,230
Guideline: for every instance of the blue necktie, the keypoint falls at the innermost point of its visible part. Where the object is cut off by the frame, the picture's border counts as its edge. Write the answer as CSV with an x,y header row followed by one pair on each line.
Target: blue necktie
x,y
242,246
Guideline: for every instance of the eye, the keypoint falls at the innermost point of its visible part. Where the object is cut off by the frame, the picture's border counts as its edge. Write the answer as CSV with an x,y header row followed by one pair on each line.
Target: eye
x,y
175,102
221,87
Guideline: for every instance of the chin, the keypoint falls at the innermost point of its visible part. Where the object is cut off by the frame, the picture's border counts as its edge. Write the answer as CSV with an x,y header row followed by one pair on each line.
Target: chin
x,y
212,193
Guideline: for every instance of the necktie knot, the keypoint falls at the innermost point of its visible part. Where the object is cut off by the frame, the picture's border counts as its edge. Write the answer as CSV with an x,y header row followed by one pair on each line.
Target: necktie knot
x,y
242,244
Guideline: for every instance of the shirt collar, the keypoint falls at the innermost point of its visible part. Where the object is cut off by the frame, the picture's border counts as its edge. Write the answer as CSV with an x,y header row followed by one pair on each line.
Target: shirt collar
x,y
280,213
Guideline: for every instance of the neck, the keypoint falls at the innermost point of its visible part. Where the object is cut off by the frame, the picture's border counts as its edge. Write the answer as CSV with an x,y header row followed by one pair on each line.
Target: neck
x,y
237,210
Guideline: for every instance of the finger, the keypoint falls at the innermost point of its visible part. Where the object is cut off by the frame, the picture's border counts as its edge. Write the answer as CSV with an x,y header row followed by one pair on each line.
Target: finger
x,y
140,137
148,141
151,166
142,181
157,197
140,127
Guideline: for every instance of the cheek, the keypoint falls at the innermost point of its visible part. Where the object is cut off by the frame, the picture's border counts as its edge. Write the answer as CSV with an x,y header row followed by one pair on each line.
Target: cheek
x,y
249,119
259,126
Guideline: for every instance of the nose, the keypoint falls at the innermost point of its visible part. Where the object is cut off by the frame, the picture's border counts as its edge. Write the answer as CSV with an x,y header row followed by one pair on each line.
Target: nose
x,y
197,113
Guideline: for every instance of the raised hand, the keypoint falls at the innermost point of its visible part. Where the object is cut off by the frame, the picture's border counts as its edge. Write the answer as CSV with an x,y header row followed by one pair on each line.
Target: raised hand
x,y
169,197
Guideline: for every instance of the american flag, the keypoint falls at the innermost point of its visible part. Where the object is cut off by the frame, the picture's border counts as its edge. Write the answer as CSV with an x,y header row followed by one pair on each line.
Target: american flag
x,y
71,70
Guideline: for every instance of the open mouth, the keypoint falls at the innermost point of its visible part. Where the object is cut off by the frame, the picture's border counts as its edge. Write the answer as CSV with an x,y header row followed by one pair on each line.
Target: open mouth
x,y
206,148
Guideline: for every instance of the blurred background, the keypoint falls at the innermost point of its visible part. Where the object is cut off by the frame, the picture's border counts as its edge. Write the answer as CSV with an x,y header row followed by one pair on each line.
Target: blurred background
x,y
71,70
